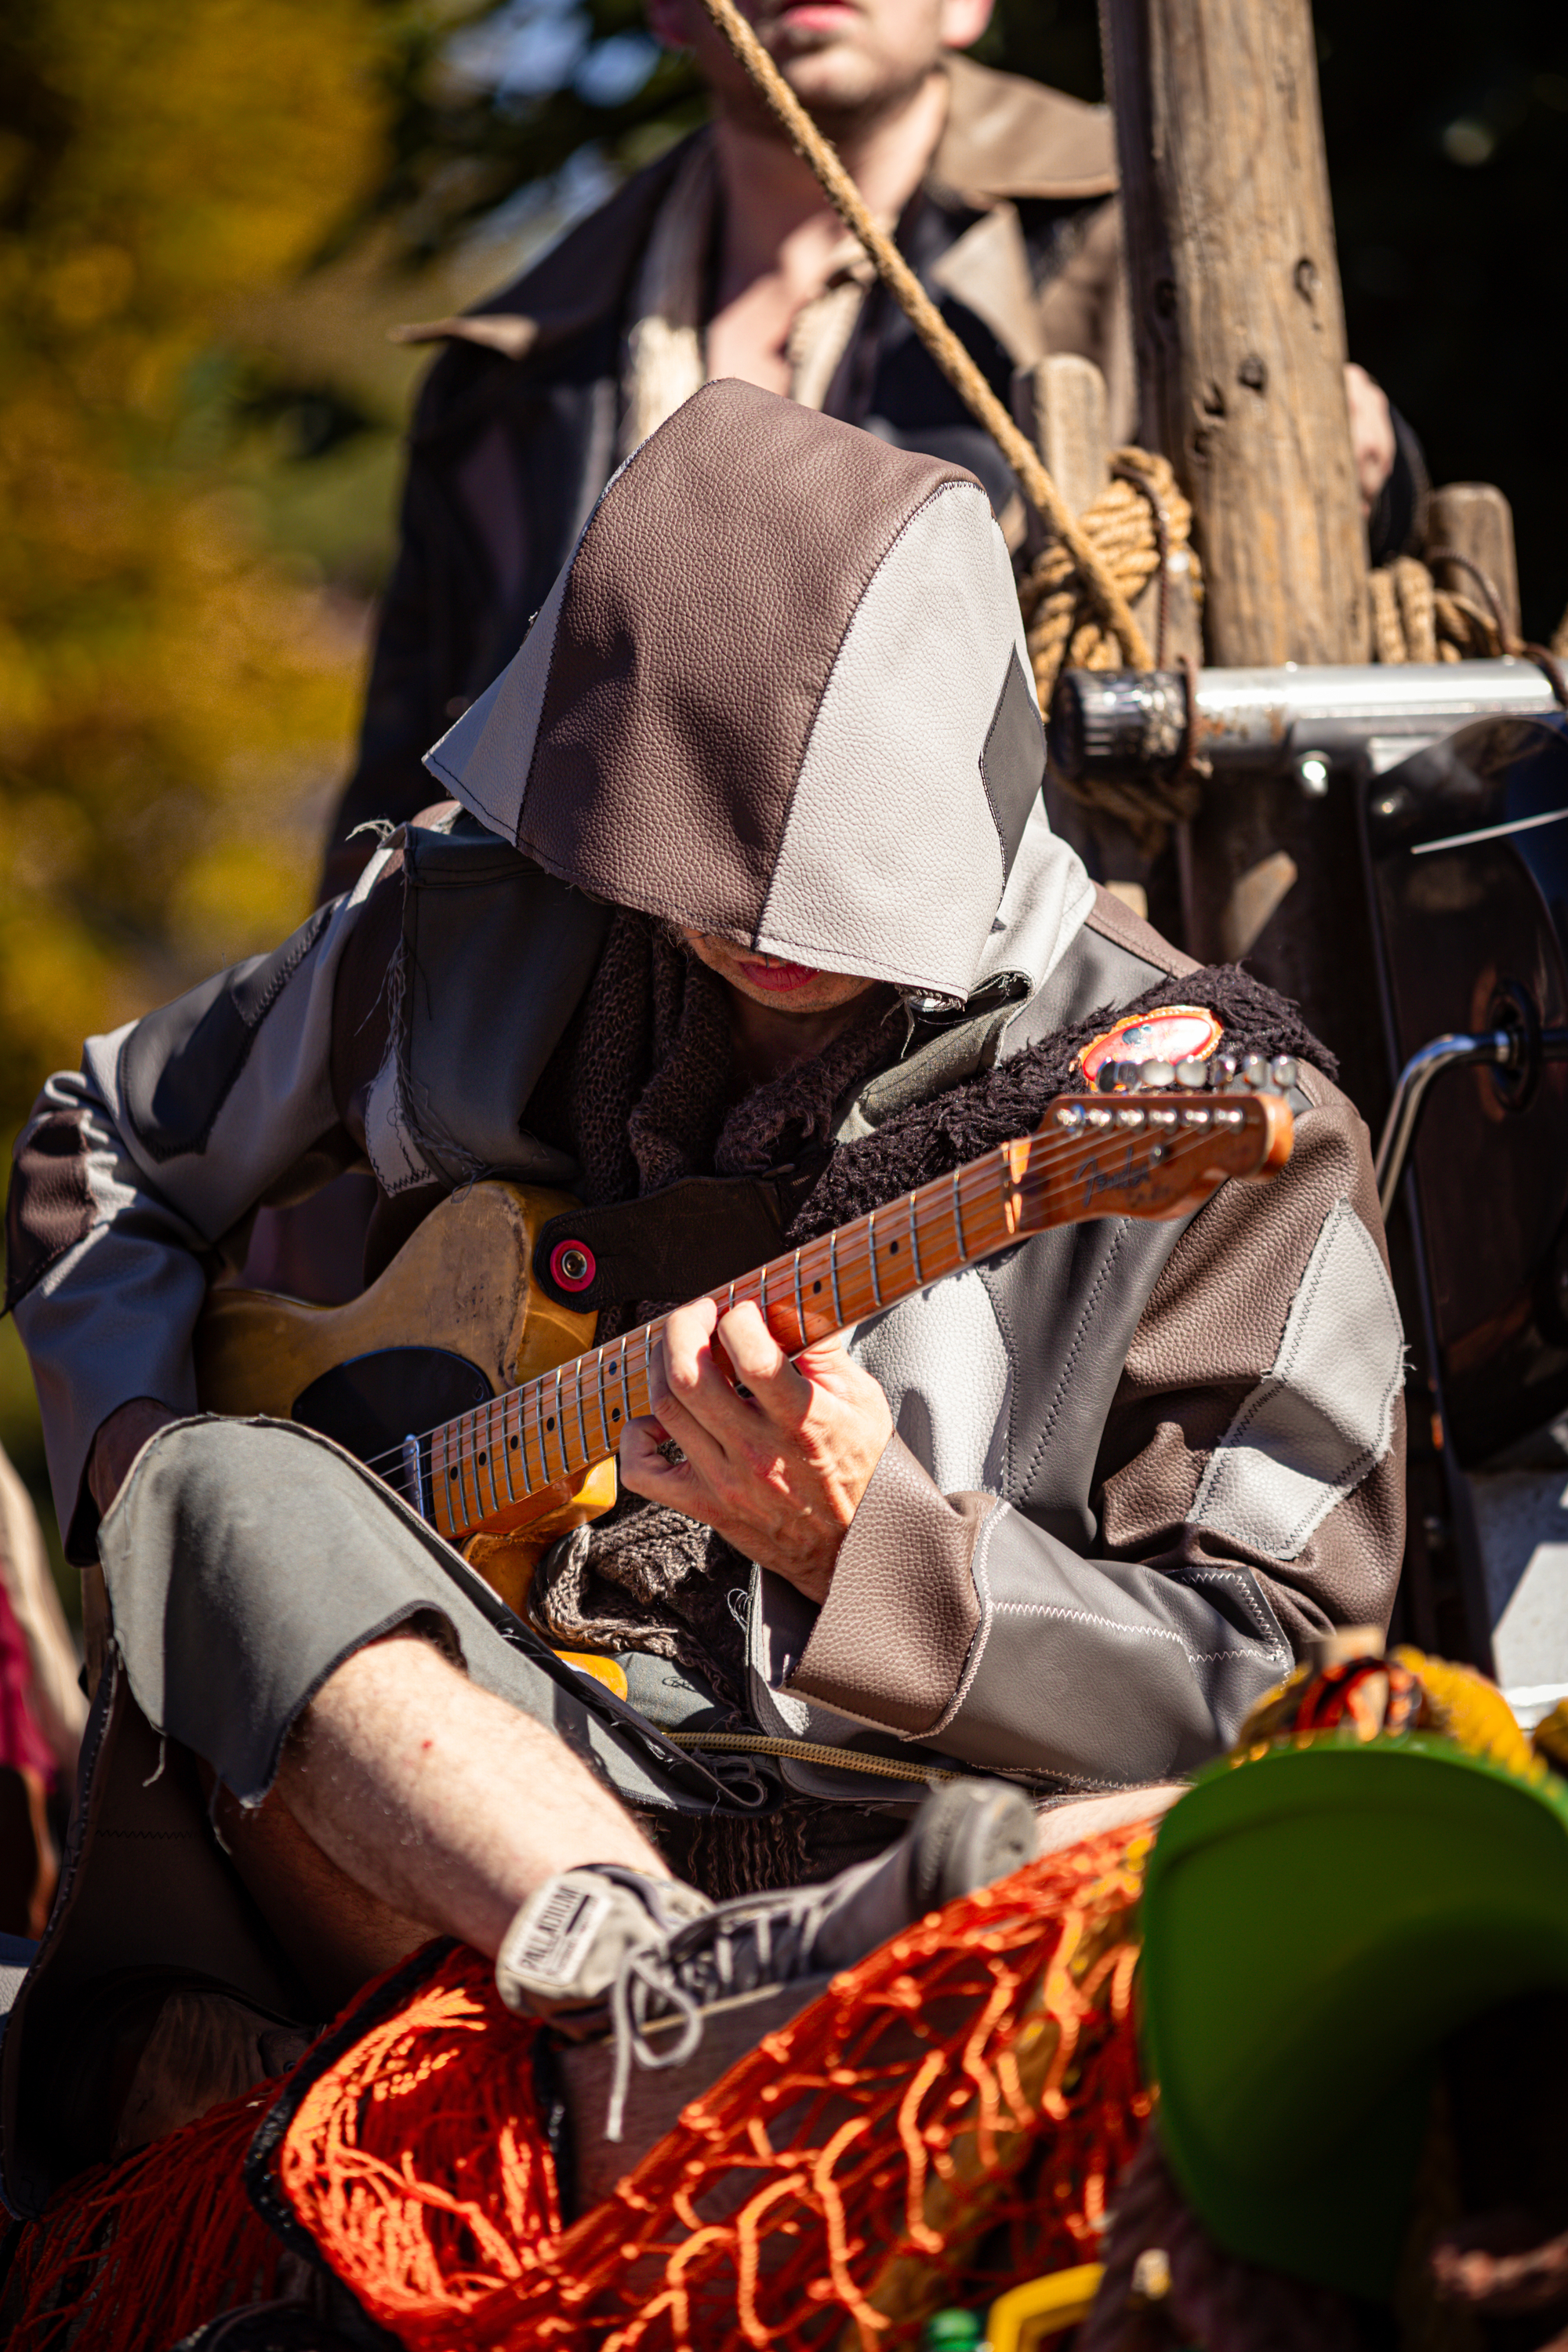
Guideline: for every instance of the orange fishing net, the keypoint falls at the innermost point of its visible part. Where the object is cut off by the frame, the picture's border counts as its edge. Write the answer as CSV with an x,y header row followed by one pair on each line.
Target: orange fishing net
x,y
133,2256
945,2121
974,2081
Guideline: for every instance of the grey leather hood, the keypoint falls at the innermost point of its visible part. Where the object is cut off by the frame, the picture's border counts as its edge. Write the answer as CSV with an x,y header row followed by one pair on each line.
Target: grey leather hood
x,y
780,693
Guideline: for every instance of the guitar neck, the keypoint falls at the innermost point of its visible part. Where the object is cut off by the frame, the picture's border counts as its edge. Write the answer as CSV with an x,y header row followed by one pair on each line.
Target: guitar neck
x,y
1156,1157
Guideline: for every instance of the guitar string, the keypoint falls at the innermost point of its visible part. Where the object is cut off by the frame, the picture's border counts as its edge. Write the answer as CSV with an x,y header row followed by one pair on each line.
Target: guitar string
x,y
466,1441
1048,1152
976,1172
980,1175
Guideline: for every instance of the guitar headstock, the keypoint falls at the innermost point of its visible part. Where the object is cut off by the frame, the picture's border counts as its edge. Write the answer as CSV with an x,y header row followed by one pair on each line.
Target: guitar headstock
x,y
1147,1155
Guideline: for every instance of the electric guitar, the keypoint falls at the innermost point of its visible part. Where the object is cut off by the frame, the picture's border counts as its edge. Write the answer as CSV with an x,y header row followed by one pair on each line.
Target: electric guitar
x,y
485,1404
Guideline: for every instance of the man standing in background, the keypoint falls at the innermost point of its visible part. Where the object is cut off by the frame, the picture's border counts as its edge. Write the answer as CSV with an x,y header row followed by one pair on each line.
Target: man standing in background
x,y
724,259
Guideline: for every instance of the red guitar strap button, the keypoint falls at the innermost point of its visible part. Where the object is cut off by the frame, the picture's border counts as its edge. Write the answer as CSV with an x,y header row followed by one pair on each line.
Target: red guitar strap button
x,y
572,1265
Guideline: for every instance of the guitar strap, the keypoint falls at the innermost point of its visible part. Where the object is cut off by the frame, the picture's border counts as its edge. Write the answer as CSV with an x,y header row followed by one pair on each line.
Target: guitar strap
x,y
702,1231
676,1243
697,1235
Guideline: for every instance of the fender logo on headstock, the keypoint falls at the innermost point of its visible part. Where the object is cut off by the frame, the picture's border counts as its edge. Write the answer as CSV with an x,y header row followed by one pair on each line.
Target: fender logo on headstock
x,y
1159,1155
1133,1175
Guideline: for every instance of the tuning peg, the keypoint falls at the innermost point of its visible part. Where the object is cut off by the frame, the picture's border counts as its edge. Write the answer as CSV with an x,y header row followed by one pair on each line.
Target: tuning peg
x,y
1108,1079
1255,1072
1192,1073
1282,1069
1155,1077
1223,1072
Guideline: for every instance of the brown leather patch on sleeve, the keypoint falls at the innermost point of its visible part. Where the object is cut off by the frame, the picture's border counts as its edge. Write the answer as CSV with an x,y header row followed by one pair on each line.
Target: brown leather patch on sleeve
x,y
1115,920
901,1612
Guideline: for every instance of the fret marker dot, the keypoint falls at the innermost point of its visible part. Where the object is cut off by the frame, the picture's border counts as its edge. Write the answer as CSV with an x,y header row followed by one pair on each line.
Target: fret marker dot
x,y
481,1457
892,1249
550,1422
817,1285
612,1372
615,1412
451,1474
513,1443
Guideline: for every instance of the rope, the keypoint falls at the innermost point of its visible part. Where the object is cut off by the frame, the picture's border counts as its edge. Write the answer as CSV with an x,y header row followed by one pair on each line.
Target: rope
x,y
1140,515
1097,579
1414,620
804,1752
1136,521
1077,599
948,2119
144,2251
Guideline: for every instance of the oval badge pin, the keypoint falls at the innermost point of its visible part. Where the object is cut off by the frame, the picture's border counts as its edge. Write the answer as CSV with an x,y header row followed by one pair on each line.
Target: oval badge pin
x,y
1167,1033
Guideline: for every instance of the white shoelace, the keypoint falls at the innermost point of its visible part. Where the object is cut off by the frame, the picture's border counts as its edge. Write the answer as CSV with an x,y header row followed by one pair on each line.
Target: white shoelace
x,y
652,1974
647,1972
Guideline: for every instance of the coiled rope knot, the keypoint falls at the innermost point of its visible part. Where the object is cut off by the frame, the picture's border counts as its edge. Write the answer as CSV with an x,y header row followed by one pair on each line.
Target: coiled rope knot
x,y
1414,620
1078,598
1140,524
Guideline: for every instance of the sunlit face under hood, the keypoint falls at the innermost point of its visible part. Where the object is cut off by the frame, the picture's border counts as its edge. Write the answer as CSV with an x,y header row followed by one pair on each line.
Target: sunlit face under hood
x,y
780,692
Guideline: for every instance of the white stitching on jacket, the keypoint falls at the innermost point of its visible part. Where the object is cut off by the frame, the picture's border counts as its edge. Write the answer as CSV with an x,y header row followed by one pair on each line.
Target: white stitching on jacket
x,y
1114,1625
1276,1381
1201,1572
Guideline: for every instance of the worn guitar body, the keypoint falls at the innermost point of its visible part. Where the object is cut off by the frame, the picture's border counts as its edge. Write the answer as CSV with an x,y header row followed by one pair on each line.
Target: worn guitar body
x,y
456,1319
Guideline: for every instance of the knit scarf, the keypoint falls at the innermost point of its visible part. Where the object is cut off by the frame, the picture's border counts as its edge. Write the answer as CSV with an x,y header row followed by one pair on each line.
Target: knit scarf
x,y
642,1086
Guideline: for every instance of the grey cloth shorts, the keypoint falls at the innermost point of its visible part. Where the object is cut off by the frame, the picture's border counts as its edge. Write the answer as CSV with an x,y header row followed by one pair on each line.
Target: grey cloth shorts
x,y
243,1561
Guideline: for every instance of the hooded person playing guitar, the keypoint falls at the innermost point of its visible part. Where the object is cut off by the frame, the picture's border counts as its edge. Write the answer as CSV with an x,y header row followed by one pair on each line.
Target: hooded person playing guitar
x,y
742,917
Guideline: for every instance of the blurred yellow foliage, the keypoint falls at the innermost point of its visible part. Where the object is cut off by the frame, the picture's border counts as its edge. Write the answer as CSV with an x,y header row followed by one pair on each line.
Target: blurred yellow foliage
x,y
176,697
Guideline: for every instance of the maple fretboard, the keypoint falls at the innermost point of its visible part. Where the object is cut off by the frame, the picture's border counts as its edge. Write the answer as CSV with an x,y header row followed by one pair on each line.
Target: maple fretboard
x,y
1149,1156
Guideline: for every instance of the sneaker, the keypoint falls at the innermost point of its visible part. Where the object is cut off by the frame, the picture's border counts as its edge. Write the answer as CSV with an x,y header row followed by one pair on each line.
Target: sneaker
x,y
570,1943
640,1968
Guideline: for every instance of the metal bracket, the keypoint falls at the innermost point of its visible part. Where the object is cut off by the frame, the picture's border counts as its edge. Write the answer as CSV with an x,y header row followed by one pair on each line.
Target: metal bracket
x,y
1513,1047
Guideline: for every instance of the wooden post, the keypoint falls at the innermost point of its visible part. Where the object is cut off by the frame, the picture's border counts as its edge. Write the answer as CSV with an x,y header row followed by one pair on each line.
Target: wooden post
x,y
1062,406
1237,316
1064,401
1240,340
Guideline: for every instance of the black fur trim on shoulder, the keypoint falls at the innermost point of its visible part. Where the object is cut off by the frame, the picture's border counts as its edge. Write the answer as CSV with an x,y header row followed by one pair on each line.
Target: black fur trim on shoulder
x,y
931,1138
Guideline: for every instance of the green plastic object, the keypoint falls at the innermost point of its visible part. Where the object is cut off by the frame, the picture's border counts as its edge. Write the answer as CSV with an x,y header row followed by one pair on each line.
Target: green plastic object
x,y
1316,1923
952,2331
